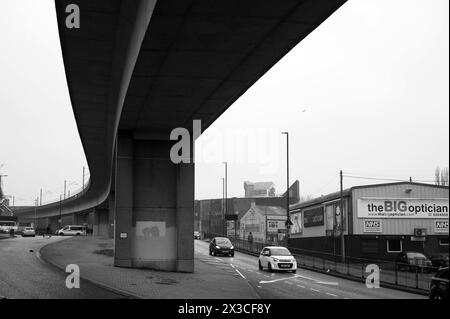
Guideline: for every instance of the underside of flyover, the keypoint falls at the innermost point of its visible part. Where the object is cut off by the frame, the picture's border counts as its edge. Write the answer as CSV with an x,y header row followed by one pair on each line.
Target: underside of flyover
x,y
138,69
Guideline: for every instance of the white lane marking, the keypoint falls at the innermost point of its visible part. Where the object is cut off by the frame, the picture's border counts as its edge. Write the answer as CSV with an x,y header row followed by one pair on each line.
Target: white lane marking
x,y
238,271
318,281
328,283
275,280
300,286
258,286
314,289
330,294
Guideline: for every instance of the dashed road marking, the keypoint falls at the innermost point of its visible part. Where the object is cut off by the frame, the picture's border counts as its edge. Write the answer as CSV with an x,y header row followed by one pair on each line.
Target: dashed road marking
x,y
314,289
300,286
330,294
328,283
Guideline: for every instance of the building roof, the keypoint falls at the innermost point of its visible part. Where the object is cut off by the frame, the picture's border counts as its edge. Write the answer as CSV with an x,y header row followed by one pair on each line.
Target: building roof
x,y
269,210
346,192
261,185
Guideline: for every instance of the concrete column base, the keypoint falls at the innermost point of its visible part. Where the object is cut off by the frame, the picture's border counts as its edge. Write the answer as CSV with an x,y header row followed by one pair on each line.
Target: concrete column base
x,y
154,207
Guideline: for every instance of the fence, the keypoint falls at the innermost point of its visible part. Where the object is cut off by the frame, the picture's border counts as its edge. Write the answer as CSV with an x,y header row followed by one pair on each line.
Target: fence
x,y
412,277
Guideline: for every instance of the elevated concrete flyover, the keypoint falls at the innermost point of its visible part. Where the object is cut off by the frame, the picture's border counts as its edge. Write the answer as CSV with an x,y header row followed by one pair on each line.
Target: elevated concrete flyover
x,y
138,69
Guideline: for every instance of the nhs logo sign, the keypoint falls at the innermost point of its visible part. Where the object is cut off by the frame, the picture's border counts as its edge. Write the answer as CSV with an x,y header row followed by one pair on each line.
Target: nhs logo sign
x,y
441,226
372,226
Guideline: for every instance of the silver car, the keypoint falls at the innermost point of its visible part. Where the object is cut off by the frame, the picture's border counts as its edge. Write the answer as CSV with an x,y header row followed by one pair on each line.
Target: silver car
x,y
28,231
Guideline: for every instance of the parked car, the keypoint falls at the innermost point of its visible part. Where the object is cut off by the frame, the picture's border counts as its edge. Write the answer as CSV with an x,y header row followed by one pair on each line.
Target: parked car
x,y
277,258
28,231
411,260
439,285
196,235
439,260
221,246
72,230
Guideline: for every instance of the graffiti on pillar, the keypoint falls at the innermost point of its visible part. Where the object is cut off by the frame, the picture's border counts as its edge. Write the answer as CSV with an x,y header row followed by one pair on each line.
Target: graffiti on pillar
x,y
149,229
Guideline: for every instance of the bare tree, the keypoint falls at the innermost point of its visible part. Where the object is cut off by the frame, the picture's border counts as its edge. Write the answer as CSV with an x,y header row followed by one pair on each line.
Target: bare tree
x,y
437,176
306,198
441,176
444,176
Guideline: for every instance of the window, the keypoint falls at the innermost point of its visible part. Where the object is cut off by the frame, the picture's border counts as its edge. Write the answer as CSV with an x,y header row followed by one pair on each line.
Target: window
x,y
443,241
394,245
442,274
369,246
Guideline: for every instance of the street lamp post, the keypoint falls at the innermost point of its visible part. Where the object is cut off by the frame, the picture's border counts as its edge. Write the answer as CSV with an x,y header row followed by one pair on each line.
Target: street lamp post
x,y
36,201
223,205
288,219
60,211
226,196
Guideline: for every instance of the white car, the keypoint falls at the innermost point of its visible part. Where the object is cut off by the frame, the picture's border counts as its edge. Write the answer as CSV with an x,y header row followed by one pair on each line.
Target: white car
x,y
277,258
72,230
28,231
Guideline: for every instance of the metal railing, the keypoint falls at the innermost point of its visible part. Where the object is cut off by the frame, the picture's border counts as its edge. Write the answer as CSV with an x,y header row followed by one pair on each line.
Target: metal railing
x,y
407,276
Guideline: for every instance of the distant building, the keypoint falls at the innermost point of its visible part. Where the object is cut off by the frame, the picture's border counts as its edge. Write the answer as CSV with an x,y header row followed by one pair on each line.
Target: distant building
x,y
210,218
259,189
266,223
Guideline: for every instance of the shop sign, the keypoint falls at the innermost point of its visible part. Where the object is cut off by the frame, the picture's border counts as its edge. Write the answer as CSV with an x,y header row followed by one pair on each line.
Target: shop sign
x,y
372,226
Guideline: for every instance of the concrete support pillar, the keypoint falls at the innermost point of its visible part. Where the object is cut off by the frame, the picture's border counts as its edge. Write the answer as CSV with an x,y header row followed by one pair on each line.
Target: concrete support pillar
x,y
111,209
154,215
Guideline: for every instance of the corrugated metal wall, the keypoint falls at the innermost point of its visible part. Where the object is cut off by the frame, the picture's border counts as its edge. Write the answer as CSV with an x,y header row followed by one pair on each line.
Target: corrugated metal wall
x,y
397,226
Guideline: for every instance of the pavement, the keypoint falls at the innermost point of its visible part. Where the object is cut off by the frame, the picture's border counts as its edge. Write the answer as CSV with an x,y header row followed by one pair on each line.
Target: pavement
x,y
23,275
210,280
214,277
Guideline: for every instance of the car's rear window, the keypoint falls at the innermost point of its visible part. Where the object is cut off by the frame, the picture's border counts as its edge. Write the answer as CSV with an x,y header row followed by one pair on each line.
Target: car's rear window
x,y
28,228
222,241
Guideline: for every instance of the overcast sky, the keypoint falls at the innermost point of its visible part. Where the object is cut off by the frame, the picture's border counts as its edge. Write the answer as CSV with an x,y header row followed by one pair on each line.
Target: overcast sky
x,y
366,92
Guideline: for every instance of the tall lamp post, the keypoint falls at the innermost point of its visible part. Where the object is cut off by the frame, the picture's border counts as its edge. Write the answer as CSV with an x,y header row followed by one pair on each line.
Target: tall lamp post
x,y
223,205
288,219
226,197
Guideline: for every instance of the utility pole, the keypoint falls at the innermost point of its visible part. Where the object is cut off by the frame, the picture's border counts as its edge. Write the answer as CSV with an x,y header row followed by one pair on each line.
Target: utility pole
x,y
342,218
288,218
65,185
40,197
226,196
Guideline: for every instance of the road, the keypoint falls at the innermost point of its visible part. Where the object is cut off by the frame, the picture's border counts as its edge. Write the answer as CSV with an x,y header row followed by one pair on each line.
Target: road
x,y
304,284
23,275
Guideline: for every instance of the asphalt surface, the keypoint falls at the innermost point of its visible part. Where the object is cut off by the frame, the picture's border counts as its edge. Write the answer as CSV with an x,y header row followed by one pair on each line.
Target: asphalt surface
x,y
304,284
23,275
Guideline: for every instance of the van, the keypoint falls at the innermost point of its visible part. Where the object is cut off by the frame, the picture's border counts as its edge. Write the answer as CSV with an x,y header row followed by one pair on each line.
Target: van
x,y
72,230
